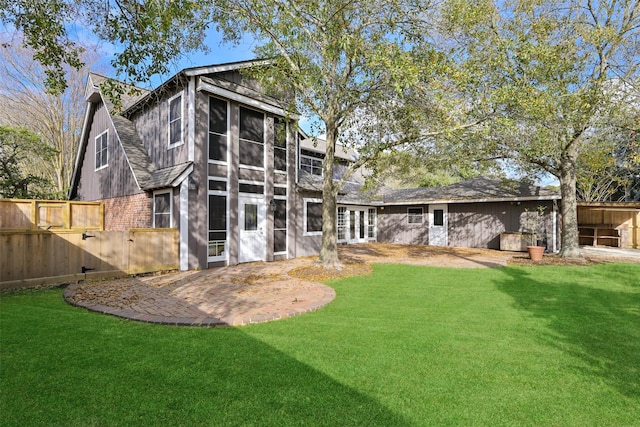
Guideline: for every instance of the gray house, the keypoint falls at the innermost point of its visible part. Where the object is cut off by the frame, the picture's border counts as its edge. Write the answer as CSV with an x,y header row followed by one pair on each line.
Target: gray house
x,y
207,153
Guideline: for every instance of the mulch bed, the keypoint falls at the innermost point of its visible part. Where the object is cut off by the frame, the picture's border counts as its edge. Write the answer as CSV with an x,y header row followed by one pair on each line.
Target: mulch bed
x,y
318,273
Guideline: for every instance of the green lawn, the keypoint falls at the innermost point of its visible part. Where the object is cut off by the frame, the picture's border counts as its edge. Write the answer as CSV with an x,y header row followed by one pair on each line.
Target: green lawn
x,y
405,346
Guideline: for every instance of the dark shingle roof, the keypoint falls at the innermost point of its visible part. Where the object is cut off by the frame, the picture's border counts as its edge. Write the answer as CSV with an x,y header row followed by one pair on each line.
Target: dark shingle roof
x,y
166,177
475,189
137,156
350,193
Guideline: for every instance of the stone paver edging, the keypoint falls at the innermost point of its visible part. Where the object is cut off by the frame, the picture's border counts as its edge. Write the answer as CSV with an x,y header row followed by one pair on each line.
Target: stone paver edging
x,y
230,296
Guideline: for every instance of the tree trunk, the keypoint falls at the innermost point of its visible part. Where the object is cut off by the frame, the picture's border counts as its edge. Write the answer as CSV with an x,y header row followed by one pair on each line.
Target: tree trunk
x,y
329,250
569,206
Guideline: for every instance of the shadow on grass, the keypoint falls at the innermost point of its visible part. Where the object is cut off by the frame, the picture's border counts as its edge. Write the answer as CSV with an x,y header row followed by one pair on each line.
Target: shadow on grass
x,y
66,366
593,313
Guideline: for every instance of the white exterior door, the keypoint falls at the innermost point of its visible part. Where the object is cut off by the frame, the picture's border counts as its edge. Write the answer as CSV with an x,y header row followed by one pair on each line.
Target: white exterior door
x,y
438,224
356,224
253,236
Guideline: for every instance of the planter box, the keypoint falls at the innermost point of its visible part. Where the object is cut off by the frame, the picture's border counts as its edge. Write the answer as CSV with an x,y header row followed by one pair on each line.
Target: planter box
x,y
515,241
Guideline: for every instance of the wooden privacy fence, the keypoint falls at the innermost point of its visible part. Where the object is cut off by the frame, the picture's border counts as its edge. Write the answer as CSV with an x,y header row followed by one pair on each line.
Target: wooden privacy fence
x,y
33,258
50,215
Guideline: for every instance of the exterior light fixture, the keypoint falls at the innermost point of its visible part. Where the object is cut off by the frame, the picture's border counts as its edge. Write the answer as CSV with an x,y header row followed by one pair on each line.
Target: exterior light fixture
x,y
193,185
272,205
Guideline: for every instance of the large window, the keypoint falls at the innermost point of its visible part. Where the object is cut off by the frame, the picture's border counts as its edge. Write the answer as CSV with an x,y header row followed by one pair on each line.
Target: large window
x,y
217,227
280,145
280,226
313,217
251,138
217,129
414,215
175,121
102,152
311,162
162,209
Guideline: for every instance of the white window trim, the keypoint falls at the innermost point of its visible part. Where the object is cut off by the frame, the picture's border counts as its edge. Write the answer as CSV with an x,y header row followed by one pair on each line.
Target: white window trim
x,y
304,218
421,216
218,162
156,193
224,257
247,182
346,223
95,147
179,143
375,225
302,156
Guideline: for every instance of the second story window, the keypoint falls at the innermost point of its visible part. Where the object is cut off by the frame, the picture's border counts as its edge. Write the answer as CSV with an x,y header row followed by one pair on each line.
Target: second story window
x,y
311,162
251,138
280,145
217,129
102,152
175,121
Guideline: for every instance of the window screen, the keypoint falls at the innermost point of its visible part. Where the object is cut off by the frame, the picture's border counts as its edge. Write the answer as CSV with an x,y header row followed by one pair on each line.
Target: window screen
x,y
314,217
162,210
280,226
217,129
280,145
217,225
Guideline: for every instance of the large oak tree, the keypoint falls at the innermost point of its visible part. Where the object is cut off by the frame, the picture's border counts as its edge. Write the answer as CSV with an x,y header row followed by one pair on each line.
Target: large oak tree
x,y
557,71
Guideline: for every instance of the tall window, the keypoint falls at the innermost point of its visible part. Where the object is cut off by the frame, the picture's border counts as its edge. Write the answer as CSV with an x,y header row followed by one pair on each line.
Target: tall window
x,y
175,121
311,162
371,224
162,209
280,226
102,153
217,218
251,138
414,215
313,217
341,221
217,129
280,145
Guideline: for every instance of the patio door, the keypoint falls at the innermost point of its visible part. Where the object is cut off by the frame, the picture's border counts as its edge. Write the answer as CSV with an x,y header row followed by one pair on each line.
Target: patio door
x,y
438,224
358,220
253,236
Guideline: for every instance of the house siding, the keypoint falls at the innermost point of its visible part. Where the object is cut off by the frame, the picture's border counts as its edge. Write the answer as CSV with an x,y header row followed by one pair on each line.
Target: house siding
x,y
472,225
116,179
198,214
306,245
152,125
393,225
479,225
